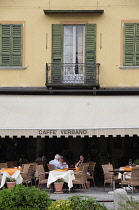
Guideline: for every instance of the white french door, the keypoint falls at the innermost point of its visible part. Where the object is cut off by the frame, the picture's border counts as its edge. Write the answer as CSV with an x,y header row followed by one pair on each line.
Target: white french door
x,y
74,44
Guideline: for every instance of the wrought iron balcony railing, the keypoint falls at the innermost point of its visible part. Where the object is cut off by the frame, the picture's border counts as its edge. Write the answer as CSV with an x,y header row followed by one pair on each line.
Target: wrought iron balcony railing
x,y
65,74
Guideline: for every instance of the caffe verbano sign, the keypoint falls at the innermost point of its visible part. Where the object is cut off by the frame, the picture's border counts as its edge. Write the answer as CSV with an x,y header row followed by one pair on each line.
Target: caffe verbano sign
x,y
42,132
63,132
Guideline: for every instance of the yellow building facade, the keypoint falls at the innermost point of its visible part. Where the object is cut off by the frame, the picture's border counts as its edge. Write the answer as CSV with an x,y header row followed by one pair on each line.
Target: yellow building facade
x,y
37,38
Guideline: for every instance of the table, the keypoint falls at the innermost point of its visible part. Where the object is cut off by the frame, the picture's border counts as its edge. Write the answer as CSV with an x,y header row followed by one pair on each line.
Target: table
x,y
121,172
11,172
67,176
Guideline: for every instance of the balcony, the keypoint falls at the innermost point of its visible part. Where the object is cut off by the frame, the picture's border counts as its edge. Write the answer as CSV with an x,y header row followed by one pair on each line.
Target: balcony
x,y
72,75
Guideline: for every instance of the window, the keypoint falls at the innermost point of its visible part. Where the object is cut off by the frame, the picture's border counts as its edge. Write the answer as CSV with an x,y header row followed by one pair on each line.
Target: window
x,y
11,44
74,46
73,54
131,44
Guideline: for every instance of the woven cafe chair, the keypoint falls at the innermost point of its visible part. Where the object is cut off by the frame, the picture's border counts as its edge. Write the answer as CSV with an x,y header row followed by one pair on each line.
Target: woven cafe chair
x,y
51,167
82,177
91,168
25,167
42,163
3,165
134,181
34,164
10,164
77,173
28,174
41,173
109,177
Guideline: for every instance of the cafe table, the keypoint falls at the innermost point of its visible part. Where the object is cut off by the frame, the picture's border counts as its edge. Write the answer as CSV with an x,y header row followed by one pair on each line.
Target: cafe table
x,y
10,173
66,175
121,173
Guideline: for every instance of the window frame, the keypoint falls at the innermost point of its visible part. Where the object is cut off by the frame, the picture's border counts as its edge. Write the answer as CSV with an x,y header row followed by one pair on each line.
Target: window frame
x,y
12,67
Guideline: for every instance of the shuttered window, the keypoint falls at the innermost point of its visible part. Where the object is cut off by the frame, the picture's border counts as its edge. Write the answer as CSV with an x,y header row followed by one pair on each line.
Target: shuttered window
x,y
10,45
90,51
131,44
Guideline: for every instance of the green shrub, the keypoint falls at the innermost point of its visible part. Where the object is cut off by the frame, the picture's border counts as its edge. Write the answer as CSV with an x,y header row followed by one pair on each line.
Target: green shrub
x,y
60,205
85,203
24,198
131,204
77,203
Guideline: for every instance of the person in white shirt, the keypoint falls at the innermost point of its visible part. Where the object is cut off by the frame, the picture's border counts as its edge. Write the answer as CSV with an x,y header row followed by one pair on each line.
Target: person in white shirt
x,y
57,162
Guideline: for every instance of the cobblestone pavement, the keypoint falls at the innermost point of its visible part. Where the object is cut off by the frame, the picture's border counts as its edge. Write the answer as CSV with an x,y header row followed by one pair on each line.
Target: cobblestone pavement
x,y
96,192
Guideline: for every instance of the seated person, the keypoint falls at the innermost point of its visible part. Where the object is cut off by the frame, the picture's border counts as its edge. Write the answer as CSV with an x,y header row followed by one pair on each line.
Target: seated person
x,y
81,160
63,163
57,162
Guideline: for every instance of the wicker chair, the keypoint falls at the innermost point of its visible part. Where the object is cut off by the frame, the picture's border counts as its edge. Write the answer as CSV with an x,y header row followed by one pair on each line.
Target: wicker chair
x,y
42,163
41,173
82,177
51,167
3,165
28,174
109,177
10,164
25,167
134,181
91,171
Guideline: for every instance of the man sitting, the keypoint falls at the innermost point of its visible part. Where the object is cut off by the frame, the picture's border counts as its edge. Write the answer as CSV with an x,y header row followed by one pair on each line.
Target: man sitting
x,y
57,162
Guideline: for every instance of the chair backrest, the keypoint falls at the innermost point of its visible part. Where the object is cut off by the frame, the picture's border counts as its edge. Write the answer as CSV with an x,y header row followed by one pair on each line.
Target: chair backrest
x,y
91,166
34,164
82,165
42,163
107,167
25,167
31,171
106,170
135,175
3,165
51,167
40,170
84,173
10,164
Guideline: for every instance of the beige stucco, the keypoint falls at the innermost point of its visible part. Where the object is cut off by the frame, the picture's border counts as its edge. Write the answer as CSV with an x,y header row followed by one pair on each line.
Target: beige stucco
x,y
37,38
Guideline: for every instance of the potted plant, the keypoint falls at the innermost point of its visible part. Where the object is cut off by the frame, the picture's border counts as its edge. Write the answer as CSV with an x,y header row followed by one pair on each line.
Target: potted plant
x,y
11,182
58,184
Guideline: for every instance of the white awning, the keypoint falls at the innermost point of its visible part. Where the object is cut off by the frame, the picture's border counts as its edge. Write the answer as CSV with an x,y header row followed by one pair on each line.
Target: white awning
x,y
37,115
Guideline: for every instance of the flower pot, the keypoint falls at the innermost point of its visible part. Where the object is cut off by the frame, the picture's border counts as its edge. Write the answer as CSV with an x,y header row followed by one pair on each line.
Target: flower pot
x,y
58,187
10,184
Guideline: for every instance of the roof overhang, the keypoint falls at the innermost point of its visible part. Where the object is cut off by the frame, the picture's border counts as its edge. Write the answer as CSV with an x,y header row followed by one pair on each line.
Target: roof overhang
x,y
72,11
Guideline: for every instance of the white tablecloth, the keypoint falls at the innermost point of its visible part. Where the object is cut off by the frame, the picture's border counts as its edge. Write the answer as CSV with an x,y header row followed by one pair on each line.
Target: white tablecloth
x,y
17,176
67,176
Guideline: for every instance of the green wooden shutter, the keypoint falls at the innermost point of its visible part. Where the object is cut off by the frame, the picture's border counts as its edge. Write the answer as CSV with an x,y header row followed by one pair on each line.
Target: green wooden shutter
x,y
137,45
10,45
6,45
129,44
90,53
0,45
17,45
57,52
